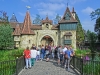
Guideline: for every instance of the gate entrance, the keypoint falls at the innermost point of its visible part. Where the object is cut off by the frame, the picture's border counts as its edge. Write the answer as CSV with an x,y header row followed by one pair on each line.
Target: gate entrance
x,y
47,40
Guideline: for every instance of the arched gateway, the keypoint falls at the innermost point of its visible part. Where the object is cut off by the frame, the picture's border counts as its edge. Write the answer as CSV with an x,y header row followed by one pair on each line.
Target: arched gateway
x,y
47,40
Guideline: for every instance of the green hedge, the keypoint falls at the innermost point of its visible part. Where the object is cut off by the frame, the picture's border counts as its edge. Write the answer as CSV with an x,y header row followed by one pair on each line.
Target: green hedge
x,y
79,52
10,54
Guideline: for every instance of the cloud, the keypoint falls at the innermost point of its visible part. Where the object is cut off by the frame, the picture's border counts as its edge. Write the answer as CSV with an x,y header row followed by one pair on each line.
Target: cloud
x,y
22,14
51,6
87,10
67,1
75,1
47,12
88,25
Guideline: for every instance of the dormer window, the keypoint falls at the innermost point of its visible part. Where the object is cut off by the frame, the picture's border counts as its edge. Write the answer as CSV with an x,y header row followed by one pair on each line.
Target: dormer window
x,y
67,16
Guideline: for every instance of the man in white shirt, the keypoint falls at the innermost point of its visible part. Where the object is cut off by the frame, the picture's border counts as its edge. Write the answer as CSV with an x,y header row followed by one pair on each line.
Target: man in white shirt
x,y
33,55
65,49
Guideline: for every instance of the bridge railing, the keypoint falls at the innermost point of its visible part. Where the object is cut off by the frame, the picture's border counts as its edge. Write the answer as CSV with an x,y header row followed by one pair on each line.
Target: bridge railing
x,y
86,67
20,64
77,63
12,67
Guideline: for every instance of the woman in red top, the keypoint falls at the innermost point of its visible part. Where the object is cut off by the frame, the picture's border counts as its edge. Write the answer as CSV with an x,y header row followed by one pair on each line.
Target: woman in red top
x,y
27,53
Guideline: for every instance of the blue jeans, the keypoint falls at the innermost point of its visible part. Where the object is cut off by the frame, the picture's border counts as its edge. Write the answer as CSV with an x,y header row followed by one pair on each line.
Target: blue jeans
x,y
28,62
52,55
67,62
37,57
42,55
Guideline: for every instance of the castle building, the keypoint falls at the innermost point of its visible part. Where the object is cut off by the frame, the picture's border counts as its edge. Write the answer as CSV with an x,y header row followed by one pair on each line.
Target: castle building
x,y
64,33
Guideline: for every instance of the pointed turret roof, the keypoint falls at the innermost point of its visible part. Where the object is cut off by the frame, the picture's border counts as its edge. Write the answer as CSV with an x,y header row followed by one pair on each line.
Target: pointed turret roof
x,y
17,30
26,29
70,20
13,18
73,11
47,20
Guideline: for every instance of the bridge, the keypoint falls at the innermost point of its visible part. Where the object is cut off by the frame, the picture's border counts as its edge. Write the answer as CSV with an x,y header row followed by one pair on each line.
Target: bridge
x,y
78,66
47,68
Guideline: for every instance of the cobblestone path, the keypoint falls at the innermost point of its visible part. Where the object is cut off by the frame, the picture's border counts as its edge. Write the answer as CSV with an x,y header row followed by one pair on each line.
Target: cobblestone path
x,y
47,68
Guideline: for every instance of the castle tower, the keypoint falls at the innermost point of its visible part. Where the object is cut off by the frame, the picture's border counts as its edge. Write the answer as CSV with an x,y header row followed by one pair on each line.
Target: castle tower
x,y
13,18
67,27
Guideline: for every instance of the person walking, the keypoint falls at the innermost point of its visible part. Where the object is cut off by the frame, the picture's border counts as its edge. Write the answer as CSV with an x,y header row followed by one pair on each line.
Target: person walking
x,y
47,53
67,55
38,55
39,49
33,55
42,52
27,56
52,50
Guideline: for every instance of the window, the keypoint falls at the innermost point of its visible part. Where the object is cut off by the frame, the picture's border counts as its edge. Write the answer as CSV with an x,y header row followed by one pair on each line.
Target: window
x,y
67,16
47,26
29,41
68,37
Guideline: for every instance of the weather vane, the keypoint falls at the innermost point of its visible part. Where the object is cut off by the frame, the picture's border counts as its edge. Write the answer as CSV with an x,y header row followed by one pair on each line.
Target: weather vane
x,y
67,2
28,7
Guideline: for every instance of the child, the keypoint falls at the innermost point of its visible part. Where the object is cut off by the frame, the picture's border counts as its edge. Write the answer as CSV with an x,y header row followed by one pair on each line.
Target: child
x,y
38,55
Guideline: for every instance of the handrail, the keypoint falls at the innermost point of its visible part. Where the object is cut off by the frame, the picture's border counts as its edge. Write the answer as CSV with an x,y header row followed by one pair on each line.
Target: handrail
x,y
12,67
20,64
86,67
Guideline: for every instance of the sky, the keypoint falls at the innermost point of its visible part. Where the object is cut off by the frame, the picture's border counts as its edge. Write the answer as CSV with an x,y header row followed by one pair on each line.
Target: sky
x,y
83,8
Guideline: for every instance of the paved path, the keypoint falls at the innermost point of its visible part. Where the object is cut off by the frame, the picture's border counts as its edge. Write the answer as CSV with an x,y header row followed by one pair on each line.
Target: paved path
x,y
47,68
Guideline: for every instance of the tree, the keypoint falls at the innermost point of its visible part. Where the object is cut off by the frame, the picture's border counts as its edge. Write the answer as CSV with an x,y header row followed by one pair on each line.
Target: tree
x,y
79,32
92,37
57,19
96,15
3,16
6,37
97,28
37,19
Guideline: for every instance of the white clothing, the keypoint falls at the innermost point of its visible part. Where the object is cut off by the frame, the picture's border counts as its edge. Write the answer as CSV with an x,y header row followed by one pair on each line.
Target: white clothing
x,y
65,49
33,53
38,52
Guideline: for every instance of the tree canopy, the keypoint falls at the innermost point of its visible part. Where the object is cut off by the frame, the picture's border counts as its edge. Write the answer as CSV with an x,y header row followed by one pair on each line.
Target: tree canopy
x,y
6,37
96,15
57,19
37,19
79,32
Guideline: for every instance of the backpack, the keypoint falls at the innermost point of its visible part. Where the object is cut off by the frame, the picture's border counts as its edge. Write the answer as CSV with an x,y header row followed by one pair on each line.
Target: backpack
x,y
66,56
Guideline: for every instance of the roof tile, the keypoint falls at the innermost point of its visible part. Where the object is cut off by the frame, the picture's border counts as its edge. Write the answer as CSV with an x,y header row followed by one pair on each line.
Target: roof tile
x,y
27,24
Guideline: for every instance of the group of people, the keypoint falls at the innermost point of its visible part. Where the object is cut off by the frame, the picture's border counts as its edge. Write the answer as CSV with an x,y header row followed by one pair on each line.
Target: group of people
x,y
62,54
